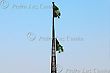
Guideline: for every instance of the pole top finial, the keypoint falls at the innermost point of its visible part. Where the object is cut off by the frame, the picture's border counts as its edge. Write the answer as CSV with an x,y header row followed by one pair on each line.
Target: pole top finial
x,y
52,2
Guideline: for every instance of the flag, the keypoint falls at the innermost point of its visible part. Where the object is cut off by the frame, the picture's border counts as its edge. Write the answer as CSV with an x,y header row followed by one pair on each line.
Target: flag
x,y
56,11
59,47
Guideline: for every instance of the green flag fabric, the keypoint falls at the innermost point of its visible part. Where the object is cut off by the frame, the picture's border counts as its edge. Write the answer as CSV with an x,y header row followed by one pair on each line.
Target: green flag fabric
x,y
56,11
59,47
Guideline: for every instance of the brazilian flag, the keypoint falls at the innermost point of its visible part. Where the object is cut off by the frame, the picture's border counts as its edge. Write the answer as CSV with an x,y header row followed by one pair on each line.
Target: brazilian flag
x,y
59,47
56,11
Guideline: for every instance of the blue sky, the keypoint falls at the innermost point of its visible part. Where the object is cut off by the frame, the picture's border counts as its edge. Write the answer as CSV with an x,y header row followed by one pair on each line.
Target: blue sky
x,y
83,30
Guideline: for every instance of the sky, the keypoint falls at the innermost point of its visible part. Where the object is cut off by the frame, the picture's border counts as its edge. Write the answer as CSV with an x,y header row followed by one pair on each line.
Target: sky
x,y
25,35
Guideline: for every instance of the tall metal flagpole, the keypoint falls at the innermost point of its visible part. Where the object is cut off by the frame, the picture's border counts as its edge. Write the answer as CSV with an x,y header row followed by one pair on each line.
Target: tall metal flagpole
x,y
53,54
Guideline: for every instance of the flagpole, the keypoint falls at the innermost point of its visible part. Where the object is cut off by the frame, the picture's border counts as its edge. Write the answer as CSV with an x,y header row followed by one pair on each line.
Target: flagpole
x,y
53,29
53,52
